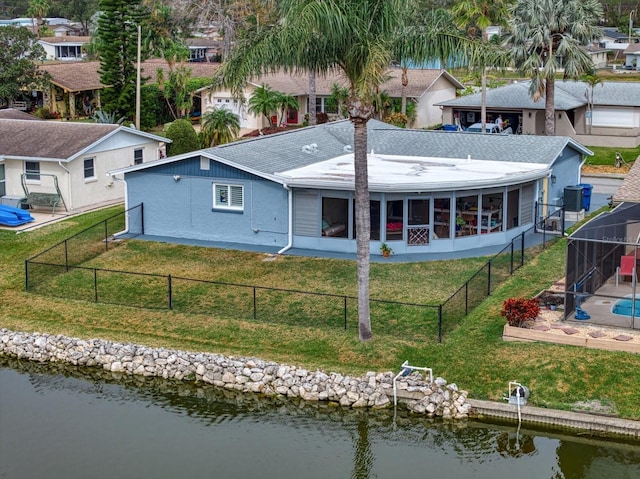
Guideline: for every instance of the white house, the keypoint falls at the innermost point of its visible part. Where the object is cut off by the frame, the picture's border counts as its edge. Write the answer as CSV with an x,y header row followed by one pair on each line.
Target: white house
x,y
69,160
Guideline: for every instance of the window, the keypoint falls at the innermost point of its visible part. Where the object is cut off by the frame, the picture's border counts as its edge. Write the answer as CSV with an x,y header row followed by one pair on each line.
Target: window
x,y
32,170
204,163
137,156
89,169
335,217
229,197
3,190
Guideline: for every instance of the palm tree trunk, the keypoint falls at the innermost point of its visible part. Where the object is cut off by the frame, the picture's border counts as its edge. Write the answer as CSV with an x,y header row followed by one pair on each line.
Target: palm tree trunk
x,y
549,107
313,119
363,224
405,82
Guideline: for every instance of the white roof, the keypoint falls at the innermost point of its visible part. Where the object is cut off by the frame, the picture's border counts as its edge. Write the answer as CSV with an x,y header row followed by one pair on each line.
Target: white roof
x,y
403,173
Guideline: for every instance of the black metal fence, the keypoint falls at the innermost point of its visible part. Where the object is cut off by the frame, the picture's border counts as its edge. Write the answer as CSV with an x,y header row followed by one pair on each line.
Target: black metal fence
x,y
59,271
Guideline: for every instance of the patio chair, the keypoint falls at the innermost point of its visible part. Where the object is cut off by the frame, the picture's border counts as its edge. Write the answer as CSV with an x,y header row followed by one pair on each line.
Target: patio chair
x,y
627,268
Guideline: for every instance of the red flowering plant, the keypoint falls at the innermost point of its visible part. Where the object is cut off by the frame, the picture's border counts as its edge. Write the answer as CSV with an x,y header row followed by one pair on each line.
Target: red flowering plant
x,y
519,310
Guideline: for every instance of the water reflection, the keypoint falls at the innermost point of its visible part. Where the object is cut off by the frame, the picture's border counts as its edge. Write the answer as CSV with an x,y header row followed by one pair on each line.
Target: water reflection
x,y
124,426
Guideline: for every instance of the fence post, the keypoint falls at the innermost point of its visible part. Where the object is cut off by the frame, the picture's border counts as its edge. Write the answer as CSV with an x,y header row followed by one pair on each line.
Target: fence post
x,y
95,284
511,261
489,278
466,298
170,291
562,211
522,250
255,313
345,313
26,275
440,323
106,236
66,256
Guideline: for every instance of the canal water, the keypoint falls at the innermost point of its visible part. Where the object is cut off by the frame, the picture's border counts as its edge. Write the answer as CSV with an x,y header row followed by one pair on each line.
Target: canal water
x,y
67,423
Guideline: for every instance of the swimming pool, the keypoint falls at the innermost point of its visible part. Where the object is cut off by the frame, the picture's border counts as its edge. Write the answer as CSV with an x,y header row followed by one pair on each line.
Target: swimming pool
x,y
623,306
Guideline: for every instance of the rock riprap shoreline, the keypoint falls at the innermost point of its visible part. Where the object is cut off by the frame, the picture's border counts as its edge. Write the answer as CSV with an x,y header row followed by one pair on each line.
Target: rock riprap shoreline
x,y
252,375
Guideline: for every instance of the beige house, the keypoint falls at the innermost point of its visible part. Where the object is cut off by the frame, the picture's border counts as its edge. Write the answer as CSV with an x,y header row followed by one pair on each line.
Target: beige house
x,y
69,159
426,87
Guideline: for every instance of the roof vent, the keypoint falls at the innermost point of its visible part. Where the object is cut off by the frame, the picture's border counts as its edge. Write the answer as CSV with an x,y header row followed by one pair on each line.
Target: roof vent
x,y
310,148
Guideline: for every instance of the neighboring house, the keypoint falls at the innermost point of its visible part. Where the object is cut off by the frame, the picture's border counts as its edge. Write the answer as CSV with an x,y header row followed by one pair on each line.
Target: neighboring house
x,y
72,82
426,87
632,56
77,155
430,191
64,47
204,49
598,55
614,122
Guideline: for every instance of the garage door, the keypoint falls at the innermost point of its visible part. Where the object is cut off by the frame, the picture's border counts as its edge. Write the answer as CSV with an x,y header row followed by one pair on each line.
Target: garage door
x,y
618,117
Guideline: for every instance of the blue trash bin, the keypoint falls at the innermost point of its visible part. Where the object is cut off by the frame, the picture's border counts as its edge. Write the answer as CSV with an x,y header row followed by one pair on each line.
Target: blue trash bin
x,y
586,195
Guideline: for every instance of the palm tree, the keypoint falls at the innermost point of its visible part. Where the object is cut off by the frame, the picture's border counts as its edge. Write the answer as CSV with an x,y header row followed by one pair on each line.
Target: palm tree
x,y
356,38
264,101
37,10
219,126
474,15
285,102
592,79
545,31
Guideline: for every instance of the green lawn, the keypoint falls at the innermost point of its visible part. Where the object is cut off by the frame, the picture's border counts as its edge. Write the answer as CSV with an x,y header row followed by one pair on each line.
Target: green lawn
x,y
473,355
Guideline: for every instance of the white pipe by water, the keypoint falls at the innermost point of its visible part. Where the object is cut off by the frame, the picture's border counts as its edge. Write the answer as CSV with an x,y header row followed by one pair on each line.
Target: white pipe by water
x,y
405,371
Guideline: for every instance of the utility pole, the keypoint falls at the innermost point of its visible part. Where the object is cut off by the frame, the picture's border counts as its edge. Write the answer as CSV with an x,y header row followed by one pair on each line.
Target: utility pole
x,y
138,83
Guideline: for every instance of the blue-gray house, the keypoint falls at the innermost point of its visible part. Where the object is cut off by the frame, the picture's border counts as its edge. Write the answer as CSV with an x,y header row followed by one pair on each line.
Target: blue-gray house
x,y
430,191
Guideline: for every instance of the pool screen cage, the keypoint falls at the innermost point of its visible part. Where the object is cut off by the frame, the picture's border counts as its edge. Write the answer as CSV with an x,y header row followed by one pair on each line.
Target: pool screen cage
x,y
601,271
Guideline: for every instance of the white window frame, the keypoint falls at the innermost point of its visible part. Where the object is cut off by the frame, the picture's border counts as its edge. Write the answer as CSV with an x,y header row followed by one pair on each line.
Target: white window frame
x,y
141,151
32,173
228,197
93,167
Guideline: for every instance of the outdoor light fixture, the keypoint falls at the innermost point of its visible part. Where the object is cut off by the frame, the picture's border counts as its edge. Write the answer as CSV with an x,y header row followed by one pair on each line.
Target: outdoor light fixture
x,y
529,114
177,177
553,179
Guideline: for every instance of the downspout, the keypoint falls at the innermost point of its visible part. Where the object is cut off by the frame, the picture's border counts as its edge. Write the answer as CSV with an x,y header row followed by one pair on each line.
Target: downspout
x,y
290,235
126,205
68,184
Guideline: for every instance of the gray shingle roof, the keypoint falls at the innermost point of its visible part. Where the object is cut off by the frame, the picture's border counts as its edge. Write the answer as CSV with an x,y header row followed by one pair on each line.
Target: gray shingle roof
x,y
569,95
266,156
607,93
277,153
516,96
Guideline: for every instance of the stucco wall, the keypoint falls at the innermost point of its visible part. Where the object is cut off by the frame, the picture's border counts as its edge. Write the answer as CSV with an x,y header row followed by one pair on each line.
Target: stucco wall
x,y
428,113
184,209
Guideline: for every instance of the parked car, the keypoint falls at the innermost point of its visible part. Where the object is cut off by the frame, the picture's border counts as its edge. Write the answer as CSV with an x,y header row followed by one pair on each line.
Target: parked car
x,y
489,128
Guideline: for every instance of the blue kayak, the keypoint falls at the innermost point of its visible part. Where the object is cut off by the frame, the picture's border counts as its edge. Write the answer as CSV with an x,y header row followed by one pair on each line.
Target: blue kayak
x,y
10,216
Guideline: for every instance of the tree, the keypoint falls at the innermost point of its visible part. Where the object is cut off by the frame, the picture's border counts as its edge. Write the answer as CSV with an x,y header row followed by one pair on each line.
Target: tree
x,y
118,46
264,101
476,16
355,37
592,79
545,33
37,10
285,102
19,55
183,138
338,99
219,126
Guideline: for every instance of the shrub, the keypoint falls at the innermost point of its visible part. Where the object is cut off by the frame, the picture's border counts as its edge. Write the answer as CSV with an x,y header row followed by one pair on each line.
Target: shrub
x,y
45,114
321,118
397,119
519,310
183,136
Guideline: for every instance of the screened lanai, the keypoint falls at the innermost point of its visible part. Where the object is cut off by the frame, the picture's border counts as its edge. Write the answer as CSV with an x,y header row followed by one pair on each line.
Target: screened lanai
x,y
602,269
